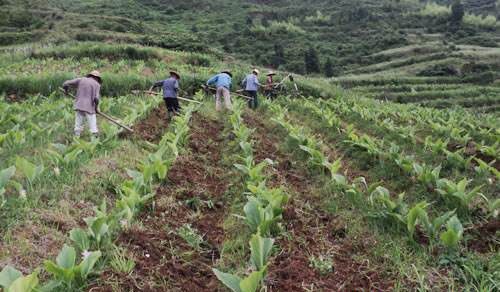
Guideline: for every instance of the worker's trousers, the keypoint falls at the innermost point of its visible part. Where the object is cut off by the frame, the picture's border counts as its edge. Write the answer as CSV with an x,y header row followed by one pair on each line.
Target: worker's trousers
x,y
253,102
80,118
223,92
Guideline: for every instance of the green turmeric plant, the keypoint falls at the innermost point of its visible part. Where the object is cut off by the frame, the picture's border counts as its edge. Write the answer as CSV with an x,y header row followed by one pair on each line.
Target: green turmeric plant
x,y
11,280
250,283
66,272
28,169
260,249
453,234
456,194
258,217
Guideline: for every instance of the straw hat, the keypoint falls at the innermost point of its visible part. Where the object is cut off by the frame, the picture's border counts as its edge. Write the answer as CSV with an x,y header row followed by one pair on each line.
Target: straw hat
x,y
175,73
271,73
256,71
228,72
95,74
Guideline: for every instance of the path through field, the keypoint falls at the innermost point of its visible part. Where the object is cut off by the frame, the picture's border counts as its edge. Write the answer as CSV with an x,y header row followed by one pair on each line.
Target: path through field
x,y
164,260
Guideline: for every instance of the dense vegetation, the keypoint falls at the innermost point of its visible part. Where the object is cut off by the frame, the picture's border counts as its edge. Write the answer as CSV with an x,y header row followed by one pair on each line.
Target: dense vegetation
x,y
280,34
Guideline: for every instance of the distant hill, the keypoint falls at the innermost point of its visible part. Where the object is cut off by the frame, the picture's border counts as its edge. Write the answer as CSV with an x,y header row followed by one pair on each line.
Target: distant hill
x,y
337,36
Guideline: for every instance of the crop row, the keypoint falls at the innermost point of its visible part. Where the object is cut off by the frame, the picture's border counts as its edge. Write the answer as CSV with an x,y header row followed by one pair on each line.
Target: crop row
x,y
454,194
263,210
444,229
96,240
459,127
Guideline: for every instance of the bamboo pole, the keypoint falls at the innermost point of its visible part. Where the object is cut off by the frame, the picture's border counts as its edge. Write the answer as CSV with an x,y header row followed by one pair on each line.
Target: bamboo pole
x,y
178,97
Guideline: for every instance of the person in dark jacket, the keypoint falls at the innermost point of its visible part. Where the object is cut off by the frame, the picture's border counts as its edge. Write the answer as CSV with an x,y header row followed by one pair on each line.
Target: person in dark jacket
x,y
170,88
251,85
88,94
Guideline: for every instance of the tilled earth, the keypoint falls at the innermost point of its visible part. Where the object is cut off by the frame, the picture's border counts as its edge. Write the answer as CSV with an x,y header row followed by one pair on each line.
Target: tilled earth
x,y
164,261
312,232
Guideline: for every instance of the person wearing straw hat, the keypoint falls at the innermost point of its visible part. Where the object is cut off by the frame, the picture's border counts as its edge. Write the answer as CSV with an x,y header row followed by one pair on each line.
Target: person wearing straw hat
x,y
251,85
269,88
222,82
86,105
170,88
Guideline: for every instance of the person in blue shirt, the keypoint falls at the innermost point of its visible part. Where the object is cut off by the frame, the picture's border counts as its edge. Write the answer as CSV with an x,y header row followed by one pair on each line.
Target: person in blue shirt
x,y
170,88
222,83
251,85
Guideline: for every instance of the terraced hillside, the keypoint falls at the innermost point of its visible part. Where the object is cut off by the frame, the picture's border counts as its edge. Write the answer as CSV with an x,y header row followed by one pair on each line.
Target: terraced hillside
x,y
432,74
277,34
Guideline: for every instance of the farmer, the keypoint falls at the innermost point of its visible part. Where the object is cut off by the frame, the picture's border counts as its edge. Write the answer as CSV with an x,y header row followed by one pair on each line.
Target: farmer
x,y
87,101
251,85
269,88
222,82
170,88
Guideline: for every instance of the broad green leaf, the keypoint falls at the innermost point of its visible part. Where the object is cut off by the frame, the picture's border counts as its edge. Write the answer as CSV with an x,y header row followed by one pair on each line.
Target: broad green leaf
x,y
29,170
260,249
88,263
449,238
24,284
453,234
413,215
80,238
6,175
231,281
253,213
8,276
252,282
67,257
58,272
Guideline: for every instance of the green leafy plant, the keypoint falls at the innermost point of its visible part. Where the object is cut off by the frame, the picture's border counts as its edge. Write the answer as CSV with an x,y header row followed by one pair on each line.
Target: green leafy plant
x,y
254,173
418,216
250,283
258,217
453,234
456,194
426,175
5,176
28,169
260,249
65,270
393,211
333,168
11,280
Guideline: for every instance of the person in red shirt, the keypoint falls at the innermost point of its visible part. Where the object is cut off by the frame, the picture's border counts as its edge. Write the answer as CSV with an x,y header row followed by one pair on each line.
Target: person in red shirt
x,y
269,87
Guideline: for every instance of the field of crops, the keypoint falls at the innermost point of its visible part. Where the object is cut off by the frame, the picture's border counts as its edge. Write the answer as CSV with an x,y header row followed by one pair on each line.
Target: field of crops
x,y
325,190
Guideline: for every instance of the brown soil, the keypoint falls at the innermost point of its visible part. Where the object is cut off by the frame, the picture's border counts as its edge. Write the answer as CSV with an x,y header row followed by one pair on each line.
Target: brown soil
x,y
13,97
29,245
164,261
485,237
312,232
151,128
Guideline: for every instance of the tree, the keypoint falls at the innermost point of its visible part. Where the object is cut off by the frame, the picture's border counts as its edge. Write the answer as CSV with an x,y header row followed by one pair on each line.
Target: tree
x,y
279,56
329,71
311,61
457,11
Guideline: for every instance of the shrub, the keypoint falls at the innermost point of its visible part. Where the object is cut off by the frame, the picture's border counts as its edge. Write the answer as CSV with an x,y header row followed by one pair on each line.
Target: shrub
x,y
439,70
114,52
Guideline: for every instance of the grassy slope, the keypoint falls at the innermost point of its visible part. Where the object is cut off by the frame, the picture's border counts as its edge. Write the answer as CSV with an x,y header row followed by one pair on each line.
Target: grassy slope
x,y
345,31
